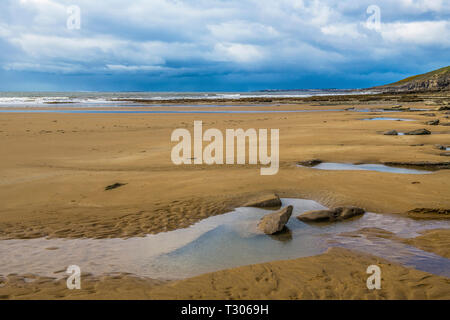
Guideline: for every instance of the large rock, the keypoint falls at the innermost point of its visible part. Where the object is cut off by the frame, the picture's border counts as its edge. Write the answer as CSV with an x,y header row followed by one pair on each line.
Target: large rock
x,y
275,222
418,132
339,213
266,201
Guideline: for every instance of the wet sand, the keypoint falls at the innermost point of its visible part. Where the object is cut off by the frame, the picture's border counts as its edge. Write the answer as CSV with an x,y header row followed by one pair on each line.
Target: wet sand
x,y
55,168
437,241
337,274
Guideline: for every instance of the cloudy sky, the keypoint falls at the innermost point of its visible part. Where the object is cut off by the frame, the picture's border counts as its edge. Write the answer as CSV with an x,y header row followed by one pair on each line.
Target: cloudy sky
x,y
218,45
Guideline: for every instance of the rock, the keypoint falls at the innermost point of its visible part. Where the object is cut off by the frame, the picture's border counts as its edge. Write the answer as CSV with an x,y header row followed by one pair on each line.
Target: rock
x,y
432,122
427,213
397,108
348,212
443,108
267,201
418,132
310,163
339,213
445,154
428,114
275,222
316,215
391,133
114,186
420,165
440,147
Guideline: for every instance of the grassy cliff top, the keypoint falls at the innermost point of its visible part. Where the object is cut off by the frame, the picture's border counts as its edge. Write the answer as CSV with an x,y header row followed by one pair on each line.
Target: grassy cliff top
x,y
423,77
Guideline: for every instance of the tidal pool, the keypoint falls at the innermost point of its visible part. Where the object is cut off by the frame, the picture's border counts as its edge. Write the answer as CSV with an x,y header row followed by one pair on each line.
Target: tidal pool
x,y
366,167
388,119
220,242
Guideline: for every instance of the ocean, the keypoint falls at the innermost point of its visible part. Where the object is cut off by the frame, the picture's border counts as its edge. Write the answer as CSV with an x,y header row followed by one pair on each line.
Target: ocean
x,y
116,99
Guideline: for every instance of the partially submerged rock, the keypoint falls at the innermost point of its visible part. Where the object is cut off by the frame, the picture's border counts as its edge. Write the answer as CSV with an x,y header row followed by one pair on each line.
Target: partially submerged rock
x,y
310,163
418,132
348,212
316,215
275,222
339,213
266,201
391,133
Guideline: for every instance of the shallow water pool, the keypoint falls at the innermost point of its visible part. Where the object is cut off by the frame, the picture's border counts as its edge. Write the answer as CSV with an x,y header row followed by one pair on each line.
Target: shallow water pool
x,y
388,119
219,242
366,167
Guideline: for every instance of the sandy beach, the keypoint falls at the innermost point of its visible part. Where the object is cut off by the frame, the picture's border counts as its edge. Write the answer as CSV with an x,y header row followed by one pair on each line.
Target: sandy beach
x,y
55,168
185,151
